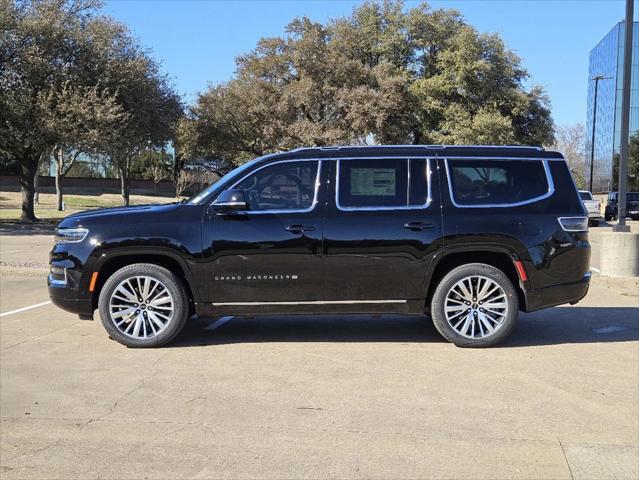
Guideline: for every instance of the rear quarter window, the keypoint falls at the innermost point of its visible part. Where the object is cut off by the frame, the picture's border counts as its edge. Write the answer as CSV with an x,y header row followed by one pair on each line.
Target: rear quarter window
x,y
496,182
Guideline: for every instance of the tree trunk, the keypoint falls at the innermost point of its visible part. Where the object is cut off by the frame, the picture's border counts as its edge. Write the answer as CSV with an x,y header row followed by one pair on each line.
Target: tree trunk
x,y
28,171
58,191
124,186
58,179
36,195
417,136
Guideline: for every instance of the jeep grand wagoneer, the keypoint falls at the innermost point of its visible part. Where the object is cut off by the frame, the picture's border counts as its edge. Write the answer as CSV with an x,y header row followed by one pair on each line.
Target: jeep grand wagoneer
x,y
468,235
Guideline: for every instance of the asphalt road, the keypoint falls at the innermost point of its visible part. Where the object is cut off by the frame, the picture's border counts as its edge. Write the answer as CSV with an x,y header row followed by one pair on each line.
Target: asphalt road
x,y
316,397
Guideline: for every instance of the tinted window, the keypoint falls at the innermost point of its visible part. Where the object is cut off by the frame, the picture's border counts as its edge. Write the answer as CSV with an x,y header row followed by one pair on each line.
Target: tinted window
x,y
632,197
495,182
585,195
282,186
383,183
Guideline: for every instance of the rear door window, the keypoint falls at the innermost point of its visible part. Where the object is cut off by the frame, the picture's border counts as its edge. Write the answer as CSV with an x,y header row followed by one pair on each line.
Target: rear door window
x,y
496,182
382,183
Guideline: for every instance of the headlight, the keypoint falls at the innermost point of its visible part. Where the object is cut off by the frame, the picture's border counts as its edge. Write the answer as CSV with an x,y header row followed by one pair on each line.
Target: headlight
x,y
70,235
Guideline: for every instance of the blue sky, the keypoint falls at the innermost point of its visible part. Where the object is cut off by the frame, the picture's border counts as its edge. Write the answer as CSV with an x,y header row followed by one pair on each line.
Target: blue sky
x,y
197,41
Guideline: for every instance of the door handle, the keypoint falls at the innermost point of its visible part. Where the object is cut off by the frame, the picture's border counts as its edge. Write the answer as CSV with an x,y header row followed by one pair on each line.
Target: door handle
x,y
300,228
418,226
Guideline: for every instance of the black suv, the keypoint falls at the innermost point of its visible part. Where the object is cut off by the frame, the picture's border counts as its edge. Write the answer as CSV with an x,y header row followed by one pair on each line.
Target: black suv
x,y
612,207
468,235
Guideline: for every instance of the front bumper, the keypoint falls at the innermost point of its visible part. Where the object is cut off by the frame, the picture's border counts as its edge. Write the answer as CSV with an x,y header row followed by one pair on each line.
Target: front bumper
x,y
67,298
557,294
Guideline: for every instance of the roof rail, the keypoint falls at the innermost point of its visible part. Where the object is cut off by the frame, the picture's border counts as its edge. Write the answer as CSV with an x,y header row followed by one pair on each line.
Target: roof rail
x,y
340,147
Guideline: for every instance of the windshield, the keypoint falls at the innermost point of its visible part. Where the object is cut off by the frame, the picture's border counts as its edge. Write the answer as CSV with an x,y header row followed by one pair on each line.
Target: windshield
x,y
632,197
585,195
208,191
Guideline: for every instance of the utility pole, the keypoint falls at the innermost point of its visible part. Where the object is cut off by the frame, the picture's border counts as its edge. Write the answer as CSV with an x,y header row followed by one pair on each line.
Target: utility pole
x,y
596,78
625,119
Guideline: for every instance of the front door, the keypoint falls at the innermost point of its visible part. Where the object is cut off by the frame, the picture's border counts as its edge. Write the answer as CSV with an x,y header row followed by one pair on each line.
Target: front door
x,y
270,254
383,227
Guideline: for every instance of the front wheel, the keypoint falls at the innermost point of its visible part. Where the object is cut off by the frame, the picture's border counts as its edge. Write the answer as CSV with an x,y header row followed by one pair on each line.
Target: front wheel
x,y
475,305
143,305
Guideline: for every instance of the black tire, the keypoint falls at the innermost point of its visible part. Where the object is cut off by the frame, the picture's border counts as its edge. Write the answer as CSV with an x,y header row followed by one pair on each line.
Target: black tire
x,y
607,217
175,288
593,223
450,280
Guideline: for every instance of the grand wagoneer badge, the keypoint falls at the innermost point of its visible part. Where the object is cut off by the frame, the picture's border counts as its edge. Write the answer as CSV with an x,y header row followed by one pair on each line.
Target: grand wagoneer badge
x,y
232,278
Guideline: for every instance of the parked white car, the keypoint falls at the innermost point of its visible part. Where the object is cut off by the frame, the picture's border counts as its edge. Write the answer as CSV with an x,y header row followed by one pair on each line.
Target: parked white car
x,y
593,206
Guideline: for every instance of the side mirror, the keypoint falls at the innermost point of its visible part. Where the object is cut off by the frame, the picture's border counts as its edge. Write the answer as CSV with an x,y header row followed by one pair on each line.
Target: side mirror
x,y
230,201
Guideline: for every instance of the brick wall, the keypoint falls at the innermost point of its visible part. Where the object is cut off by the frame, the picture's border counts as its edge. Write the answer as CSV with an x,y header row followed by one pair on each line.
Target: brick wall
x,y
79,186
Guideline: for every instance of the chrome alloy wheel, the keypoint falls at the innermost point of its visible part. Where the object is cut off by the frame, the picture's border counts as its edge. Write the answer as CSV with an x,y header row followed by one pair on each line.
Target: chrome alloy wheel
x,y
476,307
141,307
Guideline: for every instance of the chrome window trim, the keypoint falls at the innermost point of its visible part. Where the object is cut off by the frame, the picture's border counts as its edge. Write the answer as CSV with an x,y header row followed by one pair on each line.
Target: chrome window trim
x,y
551,184
429,172
280,211
480,157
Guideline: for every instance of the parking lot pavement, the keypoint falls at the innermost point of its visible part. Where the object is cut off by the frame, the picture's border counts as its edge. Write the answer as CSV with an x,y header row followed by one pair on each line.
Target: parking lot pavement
x,y
308,397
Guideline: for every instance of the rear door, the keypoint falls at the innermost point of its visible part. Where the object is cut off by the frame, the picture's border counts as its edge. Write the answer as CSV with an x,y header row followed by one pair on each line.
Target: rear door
x,y
383,225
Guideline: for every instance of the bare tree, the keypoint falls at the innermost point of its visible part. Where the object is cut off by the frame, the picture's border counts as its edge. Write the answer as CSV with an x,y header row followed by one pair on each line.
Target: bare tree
x,y
571,141
185,179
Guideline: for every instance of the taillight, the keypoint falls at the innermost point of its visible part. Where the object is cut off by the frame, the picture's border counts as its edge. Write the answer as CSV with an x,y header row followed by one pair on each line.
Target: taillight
x,y
574,224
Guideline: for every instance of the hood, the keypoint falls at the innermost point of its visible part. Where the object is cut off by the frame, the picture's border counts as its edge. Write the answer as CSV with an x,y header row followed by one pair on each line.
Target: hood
x,y
117,214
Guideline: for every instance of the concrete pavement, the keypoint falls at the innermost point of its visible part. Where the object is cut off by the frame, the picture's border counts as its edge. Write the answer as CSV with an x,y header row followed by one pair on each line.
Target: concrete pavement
x,y
311,397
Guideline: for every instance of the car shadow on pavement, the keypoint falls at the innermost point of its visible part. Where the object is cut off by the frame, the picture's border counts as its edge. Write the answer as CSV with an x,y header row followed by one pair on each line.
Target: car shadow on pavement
x,y
560,325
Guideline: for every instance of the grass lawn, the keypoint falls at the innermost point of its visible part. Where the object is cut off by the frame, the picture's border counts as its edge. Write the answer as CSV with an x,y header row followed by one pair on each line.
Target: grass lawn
x,y
46,208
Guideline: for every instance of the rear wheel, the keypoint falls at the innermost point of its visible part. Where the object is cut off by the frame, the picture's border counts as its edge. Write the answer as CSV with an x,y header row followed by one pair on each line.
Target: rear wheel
x,y
475,305
143,305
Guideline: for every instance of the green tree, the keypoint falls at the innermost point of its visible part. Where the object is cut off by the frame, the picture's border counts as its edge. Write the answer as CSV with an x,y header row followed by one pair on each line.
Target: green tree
x,y
384,74
154,165
38,49
633,165
77,117
72,80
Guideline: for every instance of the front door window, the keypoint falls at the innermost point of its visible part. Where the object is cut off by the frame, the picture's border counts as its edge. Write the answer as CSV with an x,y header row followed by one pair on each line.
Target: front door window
x,y
282,187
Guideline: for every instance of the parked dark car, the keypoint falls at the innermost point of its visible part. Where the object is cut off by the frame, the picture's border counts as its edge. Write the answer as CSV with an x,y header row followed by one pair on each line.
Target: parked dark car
x,y
468,235
612,207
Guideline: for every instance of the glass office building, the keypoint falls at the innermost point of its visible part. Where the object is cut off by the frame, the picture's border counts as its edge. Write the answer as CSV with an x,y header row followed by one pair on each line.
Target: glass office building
x,y
606,60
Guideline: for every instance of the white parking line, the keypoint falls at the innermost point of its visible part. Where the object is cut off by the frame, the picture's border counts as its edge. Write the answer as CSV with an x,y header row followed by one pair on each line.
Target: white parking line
x,y
596,270
23,309
13,251
219,322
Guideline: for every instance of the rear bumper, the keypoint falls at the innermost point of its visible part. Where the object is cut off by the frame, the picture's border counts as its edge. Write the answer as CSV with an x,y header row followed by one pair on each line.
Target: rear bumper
x,y
557,294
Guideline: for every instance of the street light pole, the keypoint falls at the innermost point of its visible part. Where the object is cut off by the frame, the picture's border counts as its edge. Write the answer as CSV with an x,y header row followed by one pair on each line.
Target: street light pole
x,y
625,119
596,78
